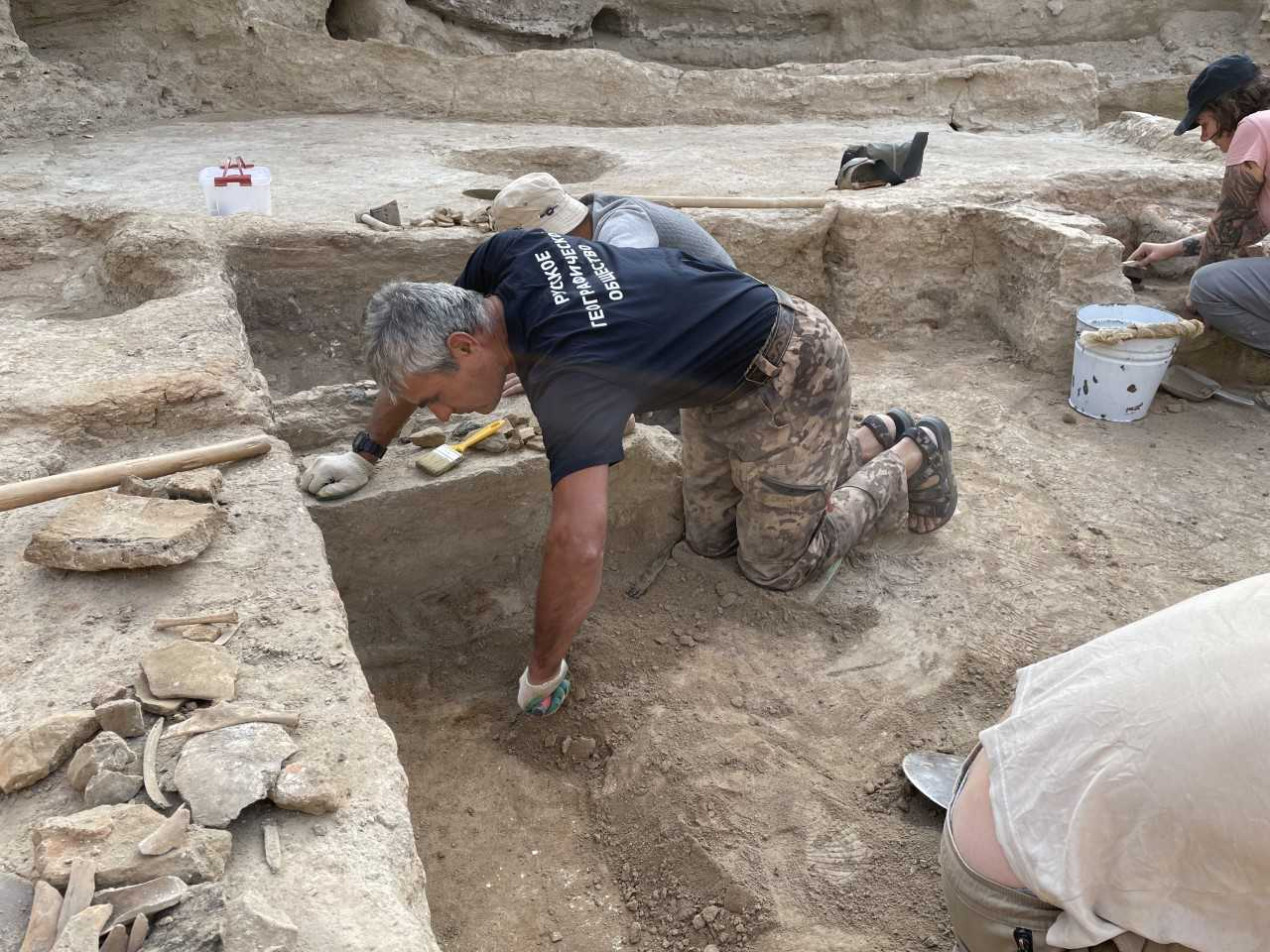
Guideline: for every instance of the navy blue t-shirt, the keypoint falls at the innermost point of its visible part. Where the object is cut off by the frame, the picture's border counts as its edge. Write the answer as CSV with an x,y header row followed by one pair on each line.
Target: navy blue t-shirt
x,y
600,332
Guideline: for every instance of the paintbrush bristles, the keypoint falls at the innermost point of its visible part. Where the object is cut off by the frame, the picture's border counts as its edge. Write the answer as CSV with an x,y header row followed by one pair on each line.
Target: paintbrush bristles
x,y
439,461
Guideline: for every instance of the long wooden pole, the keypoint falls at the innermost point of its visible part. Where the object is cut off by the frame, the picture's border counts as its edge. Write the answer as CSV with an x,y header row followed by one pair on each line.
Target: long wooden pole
x,y
31,491
709,201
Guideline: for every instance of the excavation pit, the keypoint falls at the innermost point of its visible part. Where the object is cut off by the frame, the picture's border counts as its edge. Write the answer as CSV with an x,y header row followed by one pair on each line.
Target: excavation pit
x,y
63,268
745,744
302,295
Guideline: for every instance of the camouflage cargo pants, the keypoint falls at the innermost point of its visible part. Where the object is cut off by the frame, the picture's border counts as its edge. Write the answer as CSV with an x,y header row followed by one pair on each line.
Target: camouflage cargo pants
x,y
777,477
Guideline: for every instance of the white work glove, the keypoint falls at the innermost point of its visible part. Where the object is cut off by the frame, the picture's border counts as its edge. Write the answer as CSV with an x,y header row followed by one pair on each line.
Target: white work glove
x,y
543,699
336,474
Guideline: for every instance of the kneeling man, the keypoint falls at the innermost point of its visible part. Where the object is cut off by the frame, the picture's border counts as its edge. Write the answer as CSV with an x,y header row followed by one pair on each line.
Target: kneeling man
x,y
773,470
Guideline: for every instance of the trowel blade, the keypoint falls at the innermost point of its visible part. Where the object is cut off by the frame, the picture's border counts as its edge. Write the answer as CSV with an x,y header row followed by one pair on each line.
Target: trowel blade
x,y
1240,398
488,194
934,775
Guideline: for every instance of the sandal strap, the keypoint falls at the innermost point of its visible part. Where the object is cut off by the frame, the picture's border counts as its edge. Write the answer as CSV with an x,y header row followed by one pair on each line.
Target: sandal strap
x,y
881,432
903,421
925,442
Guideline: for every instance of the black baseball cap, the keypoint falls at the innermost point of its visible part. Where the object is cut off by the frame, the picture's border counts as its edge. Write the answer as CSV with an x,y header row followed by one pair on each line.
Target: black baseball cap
x,y
1218,77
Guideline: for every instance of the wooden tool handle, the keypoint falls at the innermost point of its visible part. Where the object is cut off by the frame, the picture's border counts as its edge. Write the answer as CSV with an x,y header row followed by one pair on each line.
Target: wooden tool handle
x,y
488,430
737,201
31,491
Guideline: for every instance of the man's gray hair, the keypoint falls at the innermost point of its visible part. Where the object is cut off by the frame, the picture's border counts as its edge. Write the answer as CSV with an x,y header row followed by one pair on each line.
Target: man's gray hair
x,y
408,325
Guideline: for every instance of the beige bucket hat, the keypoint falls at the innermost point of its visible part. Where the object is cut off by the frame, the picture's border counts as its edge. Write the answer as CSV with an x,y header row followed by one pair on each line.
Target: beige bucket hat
x,y
536,200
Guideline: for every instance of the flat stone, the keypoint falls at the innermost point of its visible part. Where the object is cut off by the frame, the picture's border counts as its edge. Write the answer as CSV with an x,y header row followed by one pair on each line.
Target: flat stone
x,y
80,934
309,787
187,669
41,926
32,753
193,926
111,835
170,834
110,786
428,438
273,845
137,934
16,895
536,443
223,771
145,899
251,926
106,751
196,485
80,886
155,705
198,632
108,693
498,443
121,717
117,940
105,530
150,488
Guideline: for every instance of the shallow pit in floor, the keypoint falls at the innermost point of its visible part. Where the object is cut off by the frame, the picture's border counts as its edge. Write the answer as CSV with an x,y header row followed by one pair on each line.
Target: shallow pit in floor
x,y
567,163
57,267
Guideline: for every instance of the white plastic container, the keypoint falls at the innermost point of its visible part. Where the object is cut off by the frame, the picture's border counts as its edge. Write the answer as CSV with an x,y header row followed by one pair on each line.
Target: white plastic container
x,y
1117,382
236,186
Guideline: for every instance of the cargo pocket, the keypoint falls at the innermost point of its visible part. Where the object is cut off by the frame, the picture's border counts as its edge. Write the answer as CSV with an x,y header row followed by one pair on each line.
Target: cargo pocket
x,y
779,521
791,495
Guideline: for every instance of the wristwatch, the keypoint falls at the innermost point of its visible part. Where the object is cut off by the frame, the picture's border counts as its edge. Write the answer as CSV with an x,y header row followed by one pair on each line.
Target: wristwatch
x,y
362,443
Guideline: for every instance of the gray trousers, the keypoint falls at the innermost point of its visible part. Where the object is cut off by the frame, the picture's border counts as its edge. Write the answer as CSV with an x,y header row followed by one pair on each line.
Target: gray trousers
x,y
1234,297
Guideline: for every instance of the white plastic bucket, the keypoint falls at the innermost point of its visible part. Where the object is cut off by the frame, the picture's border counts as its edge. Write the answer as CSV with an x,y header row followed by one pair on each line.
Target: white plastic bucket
x,y
1117,382
236,187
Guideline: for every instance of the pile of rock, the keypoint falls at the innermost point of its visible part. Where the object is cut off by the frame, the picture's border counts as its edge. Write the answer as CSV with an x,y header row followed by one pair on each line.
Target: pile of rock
x,y
129,872
521,431
445,217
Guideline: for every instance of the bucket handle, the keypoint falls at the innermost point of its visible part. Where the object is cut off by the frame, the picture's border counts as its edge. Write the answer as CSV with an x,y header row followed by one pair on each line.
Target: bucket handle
x,y
242,177
1184,328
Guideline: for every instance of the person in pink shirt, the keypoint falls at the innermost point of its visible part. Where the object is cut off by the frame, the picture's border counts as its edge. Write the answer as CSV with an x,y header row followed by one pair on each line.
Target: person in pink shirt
x,y
1230,103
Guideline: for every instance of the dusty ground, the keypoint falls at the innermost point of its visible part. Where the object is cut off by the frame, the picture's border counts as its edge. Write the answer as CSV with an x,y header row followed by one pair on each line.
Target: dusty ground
x,y
325,167
739,770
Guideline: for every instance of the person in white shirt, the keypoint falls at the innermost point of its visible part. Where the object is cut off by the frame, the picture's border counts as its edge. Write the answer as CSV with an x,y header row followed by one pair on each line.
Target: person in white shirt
x,y
1124,802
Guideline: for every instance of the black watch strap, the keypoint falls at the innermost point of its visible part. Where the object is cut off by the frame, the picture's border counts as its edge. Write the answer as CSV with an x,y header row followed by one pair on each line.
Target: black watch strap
x,y
362,443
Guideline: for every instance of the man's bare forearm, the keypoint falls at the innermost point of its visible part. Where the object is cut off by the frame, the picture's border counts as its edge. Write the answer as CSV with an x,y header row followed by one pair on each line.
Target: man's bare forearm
x,y
572,566
387,418
1237,222
1192,246
567,589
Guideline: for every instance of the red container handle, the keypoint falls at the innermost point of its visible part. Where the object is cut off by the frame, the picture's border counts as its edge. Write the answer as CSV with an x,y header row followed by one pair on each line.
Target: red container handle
x,y
241,177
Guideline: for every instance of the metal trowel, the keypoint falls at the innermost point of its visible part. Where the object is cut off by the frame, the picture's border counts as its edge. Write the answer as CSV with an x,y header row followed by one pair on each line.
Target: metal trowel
x,y
1192,385
934,775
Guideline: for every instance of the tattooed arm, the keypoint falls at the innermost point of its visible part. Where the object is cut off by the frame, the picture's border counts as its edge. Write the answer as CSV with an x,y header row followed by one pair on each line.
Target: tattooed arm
x,y
1237,222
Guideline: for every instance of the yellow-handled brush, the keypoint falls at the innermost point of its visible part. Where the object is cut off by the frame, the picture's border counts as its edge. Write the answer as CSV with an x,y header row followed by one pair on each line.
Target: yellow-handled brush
x,y
445,458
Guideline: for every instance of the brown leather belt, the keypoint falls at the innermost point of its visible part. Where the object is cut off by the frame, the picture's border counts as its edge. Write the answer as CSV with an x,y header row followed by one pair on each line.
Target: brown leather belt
x,y
770,358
